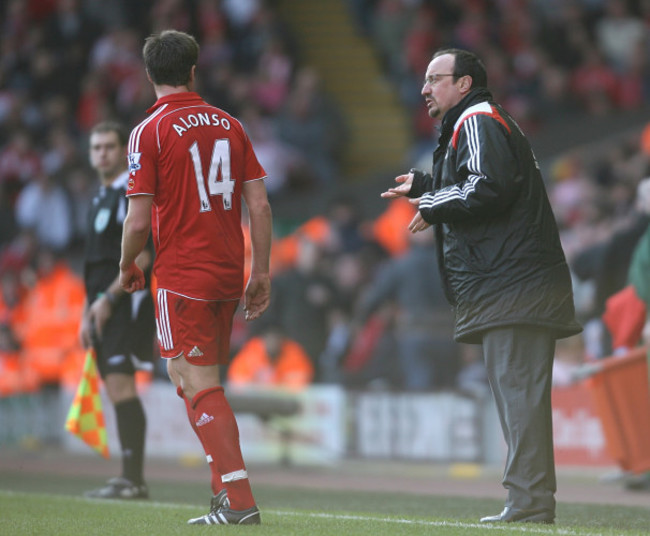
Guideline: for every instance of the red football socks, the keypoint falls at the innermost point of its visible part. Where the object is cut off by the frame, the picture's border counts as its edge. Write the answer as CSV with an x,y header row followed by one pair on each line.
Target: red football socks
x,y
216,484
217,428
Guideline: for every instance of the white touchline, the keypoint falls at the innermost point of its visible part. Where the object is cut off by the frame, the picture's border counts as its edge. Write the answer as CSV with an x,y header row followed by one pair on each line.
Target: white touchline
x,y
518,528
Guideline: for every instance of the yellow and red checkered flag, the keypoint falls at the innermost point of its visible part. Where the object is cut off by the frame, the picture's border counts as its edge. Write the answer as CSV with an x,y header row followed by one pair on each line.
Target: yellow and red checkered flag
x,y
86,416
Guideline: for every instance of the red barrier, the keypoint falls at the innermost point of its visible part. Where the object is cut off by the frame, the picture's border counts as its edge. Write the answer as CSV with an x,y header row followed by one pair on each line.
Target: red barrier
x,y
578,435
621,394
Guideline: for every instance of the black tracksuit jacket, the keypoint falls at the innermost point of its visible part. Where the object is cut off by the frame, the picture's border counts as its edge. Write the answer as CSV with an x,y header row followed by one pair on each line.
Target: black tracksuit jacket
x,y
499,249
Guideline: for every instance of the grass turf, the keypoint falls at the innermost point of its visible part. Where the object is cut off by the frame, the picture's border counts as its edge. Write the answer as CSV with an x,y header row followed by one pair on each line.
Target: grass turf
x,y
52,505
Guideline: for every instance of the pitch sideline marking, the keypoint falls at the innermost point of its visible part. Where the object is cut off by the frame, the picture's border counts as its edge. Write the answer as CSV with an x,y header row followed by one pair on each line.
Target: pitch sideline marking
x,y
349,517
456,524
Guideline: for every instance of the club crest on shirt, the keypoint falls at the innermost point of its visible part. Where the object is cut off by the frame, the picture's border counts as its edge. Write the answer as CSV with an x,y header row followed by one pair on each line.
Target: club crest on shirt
x,y
102,219
134,162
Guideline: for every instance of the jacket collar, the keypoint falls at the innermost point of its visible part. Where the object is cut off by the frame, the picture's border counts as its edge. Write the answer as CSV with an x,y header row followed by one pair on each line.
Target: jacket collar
x,y
475,96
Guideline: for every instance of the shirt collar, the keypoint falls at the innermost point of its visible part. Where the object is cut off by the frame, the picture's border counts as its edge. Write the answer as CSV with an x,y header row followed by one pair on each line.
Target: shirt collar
x,y
186,97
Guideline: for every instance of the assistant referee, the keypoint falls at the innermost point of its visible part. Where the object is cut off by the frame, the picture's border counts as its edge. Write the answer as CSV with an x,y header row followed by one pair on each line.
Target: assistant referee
x,y
119,326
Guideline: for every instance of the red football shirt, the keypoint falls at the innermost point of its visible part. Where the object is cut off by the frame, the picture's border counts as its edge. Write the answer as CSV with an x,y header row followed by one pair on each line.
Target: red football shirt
x,y
193,158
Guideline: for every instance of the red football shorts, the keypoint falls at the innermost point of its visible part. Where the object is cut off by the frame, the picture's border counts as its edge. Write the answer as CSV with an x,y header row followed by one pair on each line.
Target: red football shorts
x,y
198,329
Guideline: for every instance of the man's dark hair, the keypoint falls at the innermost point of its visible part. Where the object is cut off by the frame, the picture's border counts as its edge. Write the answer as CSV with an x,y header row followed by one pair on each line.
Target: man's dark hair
x,y
169,57
466,64
112,126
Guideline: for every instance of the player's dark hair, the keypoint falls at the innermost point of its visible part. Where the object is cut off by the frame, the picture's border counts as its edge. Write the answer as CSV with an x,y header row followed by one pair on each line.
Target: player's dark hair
x,y
169,57
112,126
466,64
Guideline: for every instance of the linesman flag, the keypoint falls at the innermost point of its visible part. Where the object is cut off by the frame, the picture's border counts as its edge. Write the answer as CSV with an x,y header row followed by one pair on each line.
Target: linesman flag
x,y
86,416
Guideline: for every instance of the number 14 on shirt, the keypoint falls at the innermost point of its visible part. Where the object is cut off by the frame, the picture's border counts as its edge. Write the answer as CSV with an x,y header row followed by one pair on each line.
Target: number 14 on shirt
x,y
220,161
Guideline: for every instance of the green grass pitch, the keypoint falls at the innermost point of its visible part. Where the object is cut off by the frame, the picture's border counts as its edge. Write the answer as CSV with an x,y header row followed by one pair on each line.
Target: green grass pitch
x,y
53,506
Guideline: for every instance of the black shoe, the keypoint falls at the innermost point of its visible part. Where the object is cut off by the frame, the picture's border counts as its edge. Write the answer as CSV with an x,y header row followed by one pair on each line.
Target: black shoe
x,y
511,515
221,514
220,500
638,482
119,488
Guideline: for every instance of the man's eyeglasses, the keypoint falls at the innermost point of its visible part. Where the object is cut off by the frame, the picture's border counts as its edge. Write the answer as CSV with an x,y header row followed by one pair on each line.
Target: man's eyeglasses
x,y
435,78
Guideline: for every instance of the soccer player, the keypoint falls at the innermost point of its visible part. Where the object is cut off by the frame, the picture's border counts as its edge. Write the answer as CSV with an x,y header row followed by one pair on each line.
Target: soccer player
x,y
190,165
119,326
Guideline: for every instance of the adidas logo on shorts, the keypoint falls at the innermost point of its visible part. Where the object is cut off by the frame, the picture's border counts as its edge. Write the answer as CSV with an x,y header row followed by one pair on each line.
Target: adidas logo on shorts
x,y
195,352
204,419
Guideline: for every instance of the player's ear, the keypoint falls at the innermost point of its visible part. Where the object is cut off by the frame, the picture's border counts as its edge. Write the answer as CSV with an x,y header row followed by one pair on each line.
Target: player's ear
x,y
148,76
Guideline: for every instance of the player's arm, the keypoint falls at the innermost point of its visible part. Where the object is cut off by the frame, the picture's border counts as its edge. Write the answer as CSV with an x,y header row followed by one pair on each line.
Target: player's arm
x,y
135,233
258,289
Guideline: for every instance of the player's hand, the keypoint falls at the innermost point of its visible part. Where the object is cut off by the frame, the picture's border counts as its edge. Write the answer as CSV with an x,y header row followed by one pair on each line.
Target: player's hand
x,y
403,188
257,296
131,278
84,333
99,313
417,223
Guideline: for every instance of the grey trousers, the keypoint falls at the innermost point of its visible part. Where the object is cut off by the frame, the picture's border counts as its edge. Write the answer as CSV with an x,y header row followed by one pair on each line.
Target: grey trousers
x,y
519,362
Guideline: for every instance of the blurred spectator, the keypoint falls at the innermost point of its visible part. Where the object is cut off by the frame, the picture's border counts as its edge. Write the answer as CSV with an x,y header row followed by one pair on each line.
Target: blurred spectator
x,y
639,280
311,123
619,34
68,34
283,164
595,84
12,301
254,25
15,376
93,105
391,22
345,220
271,360
43,206
240,12
273,76
19,163
607,263
424,323
60,151
19,254
166,14
52,312
302,300
473,29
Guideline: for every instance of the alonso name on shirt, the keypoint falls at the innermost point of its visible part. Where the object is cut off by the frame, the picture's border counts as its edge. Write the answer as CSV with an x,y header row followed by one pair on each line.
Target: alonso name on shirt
x,y
199,120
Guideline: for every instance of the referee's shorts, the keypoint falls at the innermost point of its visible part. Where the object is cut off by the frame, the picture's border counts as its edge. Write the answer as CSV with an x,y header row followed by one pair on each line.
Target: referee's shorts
x,y
128,338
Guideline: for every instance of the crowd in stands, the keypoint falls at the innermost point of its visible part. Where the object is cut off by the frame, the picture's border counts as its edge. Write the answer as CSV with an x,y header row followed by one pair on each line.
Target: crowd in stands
x,y
546,59
68,64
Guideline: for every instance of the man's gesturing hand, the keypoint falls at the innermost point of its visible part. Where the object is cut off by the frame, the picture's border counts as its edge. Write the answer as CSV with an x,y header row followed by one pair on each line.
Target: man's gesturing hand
x,y
403,188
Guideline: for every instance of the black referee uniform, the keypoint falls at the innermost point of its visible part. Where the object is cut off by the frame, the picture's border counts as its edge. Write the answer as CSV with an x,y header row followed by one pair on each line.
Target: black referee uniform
x,y
127,342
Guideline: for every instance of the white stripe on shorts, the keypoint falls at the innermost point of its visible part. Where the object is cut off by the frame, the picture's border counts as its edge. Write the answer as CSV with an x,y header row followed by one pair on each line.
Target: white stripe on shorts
x,y
164,329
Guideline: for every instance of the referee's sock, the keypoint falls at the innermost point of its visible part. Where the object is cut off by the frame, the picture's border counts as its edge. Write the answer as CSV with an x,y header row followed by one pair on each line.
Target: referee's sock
x,y
131,427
